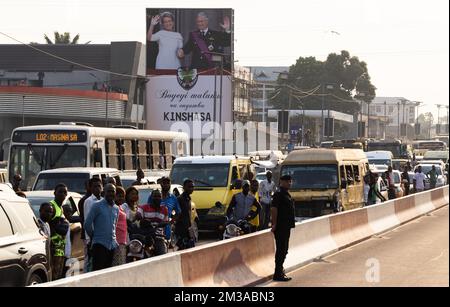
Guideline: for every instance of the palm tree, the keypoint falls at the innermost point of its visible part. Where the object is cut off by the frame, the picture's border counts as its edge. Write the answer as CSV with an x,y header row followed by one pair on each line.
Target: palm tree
x,y
62,39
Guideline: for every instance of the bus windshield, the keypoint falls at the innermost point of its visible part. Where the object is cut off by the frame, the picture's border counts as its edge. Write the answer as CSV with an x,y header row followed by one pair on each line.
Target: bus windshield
x,y
396,149
312,176
431,145
29,160
203,175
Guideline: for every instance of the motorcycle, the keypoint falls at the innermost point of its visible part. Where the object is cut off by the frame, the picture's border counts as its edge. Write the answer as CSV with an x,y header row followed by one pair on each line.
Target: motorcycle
x,y
147,241
235,229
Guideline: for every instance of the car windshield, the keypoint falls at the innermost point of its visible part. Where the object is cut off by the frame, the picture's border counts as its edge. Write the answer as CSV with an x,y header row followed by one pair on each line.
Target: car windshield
x,y
36,202
427,167
75,182
312,176
380,161
395,149
203,175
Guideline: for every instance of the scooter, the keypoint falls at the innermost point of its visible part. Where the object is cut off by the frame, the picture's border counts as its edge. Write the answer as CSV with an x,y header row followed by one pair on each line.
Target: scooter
x,y
235,229
148,241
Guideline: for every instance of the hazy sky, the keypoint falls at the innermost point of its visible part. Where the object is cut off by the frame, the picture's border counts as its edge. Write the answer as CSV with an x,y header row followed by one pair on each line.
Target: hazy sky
x,y
404,42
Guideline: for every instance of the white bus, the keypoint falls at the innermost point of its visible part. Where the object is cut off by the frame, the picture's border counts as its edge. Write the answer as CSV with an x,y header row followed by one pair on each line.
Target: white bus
x,y
421,147
37,148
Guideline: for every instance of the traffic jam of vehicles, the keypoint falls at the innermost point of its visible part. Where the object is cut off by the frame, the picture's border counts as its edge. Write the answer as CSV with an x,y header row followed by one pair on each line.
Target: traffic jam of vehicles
x,y
57,187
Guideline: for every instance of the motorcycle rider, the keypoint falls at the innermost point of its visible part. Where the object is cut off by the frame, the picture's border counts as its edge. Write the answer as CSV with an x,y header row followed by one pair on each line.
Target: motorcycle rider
x,y
244,206
154,213
170,201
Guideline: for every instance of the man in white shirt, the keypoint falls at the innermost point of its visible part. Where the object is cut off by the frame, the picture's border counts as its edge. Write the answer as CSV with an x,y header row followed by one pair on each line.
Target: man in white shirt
x,y
266,189
97,189
419,180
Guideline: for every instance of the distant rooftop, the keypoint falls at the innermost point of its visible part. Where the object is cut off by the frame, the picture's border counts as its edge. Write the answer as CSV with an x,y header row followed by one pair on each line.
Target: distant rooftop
x,y
391,100
267,74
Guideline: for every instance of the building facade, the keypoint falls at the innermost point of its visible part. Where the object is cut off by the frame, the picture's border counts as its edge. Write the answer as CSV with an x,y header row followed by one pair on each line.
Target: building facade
x,y
395,111
37,88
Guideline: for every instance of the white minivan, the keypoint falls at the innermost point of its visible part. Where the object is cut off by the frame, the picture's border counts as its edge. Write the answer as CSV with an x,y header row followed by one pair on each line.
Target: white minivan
x,y
380,157
74,177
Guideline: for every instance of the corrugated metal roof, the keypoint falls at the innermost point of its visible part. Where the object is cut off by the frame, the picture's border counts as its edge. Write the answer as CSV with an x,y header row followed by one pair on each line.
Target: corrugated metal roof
x,y
23,58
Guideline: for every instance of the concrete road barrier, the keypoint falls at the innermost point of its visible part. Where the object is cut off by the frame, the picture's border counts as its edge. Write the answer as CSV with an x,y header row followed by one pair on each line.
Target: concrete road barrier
x,y
250,259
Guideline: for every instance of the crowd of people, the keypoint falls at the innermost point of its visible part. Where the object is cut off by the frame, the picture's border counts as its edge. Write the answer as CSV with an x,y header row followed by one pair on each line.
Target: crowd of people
x,y
109,214
372,190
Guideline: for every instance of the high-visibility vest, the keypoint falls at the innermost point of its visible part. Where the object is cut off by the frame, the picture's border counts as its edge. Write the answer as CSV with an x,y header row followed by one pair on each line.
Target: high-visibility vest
x,y
58,242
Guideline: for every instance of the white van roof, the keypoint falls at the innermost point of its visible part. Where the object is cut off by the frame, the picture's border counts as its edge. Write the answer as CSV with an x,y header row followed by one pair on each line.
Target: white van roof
x,y
207,159
324,154
88,170
8,194
379,154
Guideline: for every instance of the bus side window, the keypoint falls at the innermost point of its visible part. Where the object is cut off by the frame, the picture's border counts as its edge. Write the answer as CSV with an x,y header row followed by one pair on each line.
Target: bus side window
x,y
155,154
342,173
112,154
142,155
129,160
168,155
350,176
180,148
356,175
162,160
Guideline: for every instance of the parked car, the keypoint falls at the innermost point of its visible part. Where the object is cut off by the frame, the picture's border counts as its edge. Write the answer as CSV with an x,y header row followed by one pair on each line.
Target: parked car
x,y
24,251
36,198
73,177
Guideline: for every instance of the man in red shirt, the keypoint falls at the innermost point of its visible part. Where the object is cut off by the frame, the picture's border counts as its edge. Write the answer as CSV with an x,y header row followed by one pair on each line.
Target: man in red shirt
x,y
154,212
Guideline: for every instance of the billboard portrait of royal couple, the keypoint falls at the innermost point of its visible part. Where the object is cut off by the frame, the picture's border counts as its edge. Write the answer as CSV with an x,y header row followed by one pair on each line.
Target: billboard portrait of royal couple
x,y
188,38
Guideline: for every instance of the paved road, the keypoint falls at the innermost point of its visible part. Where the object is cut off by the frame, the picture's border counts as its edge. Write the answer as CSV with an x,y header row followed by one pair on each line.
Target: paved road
x,y
415,254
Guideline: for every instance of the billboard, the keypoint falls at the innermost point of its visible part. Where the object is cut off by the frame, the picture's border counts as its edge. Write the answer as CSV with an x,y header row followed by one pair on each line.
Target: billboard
x,y
189,66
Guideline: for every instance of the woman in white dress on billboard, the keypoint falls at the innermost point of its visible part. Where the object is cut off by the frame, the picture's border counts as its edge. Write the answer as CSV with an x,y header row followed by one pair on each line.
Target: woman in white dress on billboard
x,y
168,41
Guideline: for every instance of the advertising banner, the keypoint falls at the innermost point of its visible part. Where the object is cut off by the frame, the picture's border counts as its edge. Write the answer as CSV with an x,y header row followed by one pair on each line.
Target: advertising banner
x,y
170,103
189,67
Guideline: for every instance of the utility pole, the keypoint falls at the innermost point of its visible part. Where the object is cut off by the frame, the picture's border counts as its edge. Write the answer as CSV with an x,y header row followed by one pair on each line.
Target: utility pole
x,y
323,103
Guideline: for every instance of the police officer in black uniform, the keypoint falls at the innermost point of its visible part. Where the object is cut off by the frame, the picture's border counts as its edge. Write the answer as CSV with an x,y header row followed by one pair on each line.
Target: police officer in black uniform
x,y
283,219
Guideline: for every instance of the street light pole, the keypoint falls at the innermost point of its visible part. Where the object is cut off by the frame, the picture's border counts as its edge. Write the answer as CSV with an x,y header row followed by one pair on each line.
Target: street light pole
x,y
323,103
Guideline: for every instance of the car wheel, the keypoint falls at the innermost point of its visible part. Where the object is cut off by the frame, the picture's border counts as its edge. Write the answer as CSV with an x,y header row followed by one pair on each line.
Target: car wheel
x,y
34,280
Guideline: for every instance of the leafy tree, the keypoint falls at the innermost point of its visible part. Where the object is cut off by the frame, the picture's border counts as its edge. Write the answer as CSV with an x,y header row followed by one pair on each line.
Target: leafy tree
x,y
335,83
426,118
63,38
